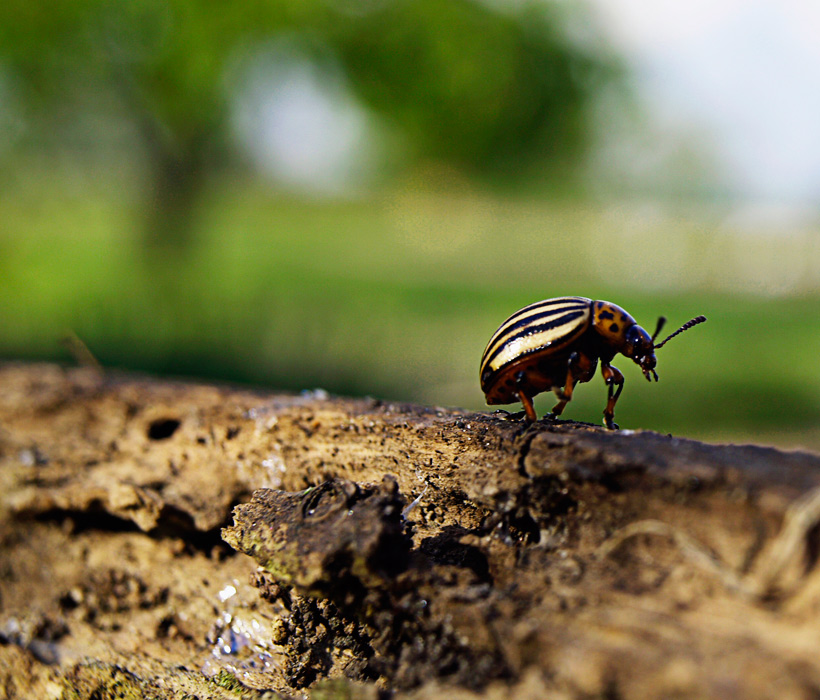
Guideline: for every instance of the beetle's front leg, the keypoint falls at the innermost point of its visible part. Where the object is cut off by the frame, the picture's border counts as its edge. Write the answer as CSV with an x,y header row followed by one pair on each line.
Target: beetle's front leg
x,y
613,378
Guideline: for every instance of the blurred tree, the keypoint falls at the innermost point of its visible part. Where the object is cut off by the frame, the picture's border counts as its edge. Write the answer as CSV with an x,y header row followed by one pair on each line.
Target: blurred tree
x,y
489,91
460,81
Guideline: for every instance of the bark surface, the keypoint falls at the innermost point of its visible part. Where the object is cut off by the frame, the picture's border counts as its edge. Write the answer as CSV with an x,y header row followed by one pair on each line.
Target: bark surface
x,y
165,540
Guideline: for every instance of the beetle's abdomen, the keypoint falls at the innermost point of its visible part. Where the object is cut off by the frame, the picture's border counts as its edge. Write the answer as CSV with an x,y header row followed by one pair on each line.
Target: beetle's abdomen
x,y
531,340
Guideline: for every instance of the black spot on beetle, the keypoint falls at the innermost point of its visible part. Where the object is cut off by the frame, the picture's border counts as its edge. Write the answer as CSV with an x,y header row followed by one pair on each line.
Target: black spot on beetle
x,y
606,314
162,428
613,328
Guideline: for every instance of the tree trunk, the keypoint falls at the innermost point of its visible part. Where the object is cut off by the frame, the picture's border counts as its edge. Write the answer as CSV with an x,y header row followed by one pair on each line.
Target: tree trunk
x,y
175,188
394,548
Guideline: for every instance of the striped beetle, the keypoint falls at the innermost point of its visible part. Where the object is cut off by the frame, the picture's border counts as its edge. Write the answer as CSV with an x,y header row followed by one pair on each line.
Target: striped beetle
x,y
556,343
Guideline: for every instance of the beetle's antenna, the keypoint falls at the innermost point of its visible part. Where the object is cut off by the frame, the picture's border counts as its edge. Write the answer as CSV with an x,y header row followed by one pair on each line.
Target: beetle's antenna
x,y
685,327
659,327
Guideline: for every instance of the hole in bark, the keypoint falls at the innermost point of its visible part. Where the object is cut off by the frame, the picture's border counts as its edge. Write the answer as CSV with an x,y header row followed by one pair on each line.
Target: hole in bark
x,y
162,428
446,548
812,548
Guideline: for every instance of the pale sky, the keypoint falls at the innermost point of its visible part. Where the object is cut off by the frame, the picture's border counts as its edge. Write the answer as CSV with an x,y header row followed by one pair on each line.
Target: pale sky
x,y
739,79
746,72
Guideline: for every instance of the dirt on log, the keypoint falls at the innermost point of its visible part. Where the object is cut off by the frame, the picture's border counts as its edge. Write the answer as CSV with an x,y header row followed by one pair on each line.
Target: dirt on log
x,y
169,540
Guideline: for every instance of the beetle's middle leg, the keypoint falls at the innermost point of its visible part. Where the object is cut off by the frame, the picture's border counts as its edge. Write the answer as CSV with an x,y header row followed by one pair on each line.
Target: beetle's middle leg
x,y
613,378
578,366
564,393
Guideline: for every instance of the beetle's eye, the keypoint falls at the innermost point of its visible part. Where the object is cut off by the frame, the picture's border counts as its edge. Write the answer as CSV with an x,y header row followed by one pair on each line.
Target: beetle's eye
x,y
633,337
637,342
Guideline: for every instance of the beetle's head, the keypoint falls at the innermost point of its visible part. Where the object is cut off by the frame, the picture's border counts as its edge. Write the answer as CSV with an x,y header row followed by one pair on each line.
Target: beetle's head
x,y
624,335
640,346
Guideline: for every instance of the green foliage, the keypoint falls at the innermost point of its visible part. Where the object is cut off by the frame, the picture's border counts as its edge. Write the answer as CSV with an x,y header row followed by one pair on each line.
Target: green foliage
x,y
481,89
462,82
150,84
397,297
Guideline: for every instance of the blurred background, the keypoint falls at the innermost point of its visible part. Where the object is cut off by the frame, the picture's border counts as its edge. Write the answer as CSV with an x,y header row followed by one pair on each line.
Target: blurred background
x,y
354,194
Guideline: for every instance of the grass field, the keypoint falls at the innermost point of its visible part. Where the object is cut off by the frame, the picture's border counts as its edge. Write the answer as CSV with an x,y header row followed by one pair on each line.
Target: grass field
x,y
396,295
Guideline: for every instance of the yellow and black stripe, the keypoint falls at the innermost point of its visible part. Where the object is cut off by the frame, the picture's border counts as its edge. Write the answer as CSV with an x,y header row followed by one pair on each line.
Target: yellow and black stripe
x,y
552,323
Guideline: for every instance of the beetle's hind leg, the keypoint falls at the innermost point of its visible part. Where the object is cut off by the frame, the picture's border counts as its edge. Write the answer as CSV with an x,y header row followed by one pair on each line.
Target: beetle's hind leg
x,y
525,398
615,383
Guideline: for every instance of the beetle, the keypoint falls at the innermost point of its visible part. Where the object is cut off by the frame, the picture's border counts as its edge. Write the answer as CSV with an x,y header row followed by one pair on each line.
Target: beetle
x,y
556,343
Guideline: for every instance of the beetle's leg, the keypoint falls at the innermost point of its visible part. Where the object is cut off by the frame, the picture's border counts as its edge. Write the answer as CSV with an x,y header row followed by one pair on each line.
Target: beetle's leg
x,y
525,398
613,378
529,409
558,409
564,394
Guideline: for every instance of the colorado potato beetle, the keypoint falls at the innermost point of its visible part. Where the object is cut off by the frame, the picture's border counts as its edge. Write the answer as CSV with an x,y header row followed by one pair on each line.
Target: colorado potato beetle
x,y
556,343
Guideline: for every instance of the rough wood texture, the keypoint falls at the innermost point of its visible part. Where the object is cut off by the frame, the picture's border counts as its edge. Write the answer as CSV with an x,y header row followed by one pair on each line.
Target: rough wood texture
x,y
406,551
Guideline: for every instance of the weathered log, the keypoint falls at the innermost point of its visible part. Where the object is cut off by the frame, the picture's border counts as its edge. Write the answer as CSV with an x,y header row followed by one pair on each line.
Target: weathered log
x,y
423,552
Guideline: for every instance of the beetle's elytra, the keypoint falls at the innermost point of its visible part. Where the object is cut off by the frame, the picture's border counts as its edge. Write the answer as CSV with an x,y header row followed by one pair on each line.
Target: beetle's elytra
x,y
556,343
